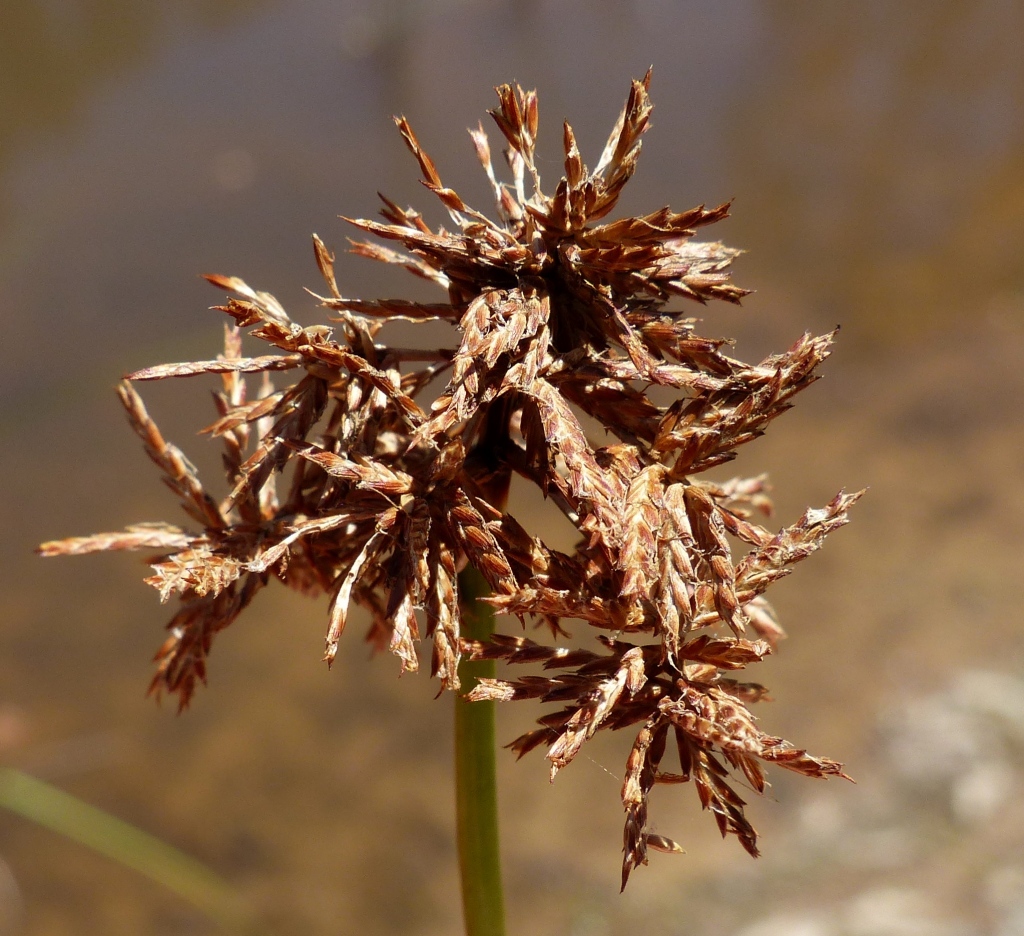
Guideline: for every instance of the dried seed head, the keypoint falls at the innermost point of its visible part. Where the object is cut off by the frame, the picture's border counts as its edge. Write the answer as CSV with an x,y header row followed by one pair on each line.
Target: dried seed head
x,y
396,465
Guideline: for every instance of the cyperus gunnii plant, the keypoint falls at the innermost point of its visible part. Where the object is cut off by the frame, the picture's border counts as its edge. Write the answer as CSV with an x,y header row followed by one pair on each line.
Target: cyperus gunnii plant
x,y
400,461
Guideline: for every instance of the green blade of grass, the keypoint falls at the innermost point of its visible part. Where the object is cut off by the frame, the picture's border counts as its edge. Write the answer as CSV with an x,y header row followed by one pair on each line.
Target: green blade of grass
x,y
124,843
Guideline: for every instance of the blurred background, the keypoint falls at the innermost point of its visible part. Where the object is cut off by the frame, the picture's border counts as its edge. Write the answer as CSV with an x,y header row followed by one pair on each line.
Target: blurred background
x,y
875,153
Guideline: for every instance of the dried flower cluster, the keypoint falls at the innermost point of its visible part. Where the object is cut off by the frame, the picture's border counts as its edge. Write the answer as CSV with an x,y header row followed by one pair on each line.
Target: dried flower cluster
x,y
396,484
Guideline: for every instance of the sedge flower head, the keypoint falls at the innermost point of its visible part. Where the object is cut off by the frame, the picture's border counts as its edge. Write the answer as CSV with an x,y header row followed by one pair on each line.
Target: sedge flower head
x,y
374,473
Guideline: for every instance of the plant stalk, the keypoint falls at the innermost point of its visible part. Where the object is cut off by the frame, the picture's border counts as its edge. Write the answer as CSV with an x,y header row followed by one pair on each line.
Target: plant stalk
x,y
476,788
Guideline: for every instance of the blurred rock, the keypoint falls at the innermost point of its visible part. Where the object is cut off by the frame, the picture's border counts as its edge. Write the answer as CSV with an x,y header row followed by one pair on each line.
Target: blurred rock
x,y
790,924
895,911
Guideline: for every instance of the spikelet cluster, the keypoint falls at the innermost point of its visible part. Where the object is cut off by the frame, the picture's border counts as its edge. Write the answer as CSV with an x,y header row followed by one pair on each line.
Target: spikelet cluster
x,y
376,473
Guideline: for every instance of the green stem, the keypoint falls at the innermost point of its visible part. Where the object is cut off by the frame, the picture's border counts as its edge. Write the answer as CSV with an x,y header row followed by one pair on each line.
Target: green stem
x,y
476,788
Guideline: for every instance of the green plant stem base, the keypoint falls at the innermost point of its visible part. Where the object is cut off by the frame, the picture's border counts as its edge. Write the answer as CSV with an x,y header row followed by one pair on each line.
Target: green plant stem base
x,y
476,790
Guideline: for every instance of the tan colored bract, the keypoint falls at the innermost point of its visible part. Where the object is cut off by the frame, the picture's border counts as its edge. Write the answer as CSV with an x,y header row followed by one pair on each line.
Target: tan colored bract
x,y
395,483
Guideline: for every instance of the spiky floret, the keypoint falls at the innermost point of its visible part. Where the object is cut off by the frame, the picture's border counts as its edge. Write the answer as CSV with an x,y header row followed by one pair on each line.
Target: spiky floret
x,y
397,483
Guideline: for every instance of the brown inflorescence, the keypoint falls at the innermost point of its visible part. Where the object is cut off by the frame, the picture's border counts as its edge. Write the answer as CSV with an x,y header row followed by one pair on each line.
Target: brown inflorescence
x,y
398,481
